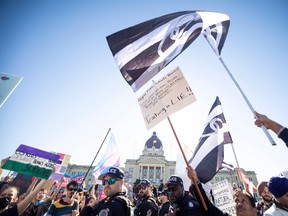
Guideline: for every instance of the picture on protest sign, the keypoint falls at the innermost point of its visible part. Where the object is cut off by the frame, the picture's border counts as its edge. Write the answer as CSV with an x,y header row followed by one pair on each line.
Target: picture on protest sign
x,y
166,96
223,196
61,166
32,161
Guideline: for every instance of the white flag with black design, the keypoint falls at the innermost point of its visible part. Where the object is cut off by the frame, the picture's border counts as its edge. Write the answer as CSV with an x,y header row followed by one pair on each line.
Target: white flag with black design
x,y
209,153
141,51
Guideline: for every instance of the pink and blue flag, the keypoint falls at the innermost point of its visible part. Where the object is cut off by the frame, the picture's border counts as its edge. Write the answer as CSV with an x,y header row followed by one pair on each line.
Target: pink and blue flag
x,y
110,158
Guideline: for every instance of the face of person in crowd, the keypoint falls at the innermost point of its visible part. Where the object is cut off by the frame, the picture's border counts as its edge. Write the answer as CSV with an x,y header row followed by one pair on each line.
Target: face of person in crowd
x,y
10,192
111,185
175,193
283,200
243,205
144,191
59,194
163,198
71,191
91,200
41,195
266,195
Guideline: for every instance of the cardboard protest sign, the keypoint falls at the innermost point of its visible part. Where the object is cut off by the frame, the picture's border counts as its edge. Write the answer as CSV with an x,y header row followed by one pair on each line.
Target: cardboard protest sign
x,y
32,161
168,95
223,196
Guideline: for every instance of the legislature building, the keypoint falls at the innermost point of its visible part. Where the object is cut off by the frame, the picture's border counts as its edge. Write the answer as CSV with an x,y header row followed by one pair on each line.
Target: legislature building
x,y
151,165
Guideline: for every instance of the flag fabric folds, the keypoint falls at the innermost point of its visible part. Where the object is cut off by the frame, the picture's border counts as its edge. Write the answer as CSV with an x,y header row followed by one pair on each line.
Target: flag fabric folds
x,y
209,153
245,180
141,51
110,158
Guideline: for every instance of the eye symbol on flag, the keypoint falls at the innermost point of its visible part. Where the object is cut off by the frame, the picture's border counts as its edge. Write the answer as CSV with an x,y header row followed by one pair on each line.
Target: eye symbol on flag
x,y
214,125
180,32
169,40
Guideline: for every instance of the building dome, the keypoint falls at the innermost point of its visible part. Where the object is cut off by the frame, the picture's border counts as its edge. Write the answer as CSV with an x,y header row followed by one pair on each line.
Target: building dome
x,y
153,141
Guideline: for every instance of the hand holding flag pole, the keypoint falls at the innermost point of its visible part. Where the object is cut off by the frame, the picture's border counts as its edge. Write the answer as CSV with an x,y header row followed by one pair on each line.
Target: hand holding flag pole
x,y
241,92
188,165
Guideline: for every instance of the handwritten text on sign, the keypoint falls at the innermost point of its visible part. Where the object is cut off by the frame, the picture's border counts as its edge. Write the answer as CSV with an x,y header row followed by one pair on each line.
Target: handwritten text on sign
x,y
166,96
223,196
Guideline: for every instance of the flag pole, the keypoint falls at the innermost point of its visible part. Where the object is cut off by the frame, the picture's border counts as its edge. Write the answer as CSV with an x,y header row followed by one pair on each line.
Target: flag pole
x,y
187,164
94,158
238,167
242,93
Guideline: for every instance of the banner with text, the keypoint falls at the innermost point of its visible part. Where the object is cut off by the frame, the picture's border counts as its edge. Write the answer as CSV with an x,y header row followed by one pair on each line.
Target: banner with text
x,y
31,161
223,196
166,96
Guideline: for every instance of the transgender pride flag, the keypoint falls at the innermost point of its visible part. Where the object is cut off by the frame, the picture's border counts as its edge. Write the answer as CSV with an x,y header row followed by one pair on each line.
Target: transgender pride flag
x,y
110,158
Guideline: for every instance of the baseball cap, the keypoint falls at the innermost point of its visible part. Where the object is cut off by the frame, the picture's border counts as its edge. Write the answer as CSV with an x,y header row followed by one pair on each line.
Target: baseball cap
x,y
144,182
114,172
164,192
176,180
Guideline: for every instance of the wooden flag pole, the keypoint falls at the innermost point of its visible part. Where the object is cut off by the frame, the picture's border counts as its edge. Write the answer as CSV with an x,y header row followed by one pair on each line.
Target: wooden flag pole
x,y
243,95
238,167
94,159
187,164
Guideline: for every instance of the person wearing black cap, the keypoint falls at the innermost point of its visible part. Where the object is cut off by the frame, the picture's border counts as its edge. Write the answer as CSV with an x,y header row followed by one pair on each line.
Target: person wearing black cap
x,y
182,203
266,201
278,186
116,202
147,204
165,206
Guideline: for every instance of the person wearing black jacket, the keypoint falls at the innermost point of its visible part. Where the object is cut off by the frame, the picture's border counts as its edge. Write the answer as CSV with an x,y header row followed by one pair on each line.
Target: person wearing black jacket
x,y
147,204
116,202
165,203
182,202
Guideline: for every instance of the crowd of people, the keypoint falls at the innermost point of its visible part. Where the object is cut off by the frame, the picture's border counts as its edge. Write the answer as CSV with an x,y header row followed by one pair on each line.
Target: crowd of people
x,y
169,199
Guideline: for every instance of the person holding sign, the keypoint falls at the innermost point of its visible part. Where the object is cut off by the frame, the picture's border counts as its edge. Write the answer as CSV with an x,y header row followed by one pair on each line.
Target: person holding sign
x,y
9,196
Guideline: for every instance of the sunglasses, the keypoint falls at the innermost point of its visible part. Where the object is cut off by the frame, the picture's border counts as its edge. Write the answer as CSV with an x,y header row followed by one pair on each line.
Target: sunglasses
x,y
142,188
110,181
172,189
72,189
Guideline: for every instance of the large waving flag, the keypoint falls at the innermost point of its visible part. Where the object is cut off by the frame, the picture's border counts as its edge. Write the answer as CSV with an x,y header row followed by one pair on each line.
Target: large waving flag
x,y
209,153
141,51
110,158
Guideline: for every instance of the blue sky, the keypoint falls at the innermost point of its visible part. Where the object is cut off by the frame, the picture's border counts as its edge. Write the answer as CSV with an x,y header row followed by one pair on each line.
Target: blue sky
x,y
72,91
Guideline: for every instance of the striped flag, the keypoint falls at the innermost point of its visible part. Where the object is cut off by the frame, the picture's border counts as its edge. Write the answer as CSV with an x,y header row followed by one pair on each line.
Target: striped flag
x,y
110,158
245,180
141,51
209,153
31,161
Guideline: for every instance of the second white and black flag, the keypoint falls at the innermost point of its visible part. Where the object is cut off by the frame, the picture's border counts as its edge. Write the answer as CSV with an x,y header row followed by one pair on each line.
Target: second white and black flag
x,y
209,154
